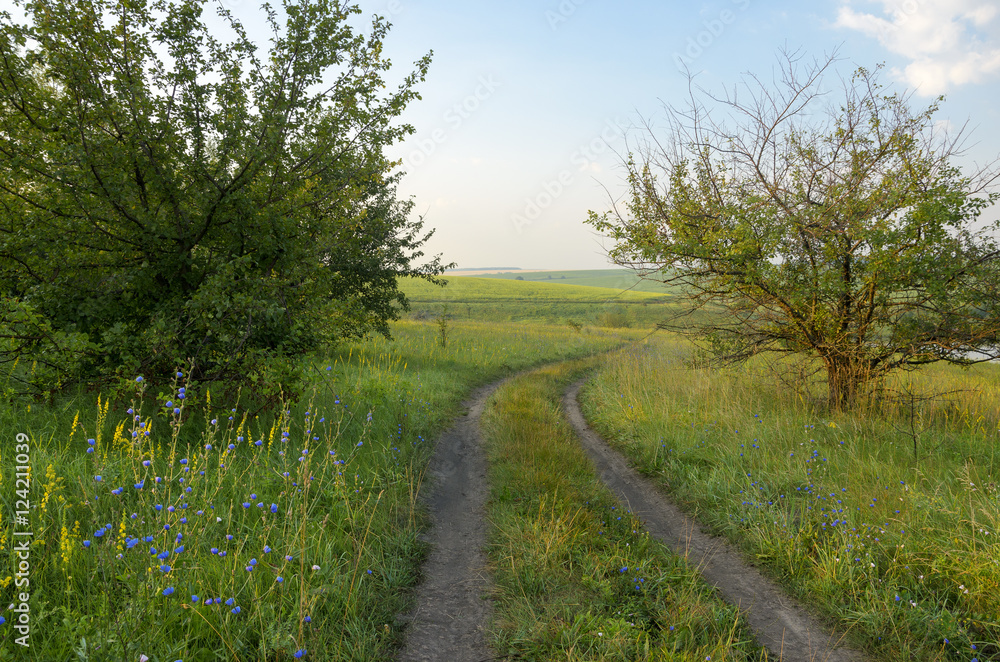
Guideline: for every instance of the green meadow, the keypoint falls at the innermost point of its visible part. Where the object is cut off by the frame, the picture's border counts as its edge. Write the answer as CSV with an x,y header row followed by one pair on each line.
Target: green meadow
x,y
496,299
167,525
615,279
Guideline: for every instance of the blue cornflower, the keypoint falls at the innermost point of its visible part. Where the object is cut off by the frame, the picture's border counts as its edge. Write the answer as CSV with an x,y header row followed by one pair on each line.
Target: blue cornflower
x,y
300,653
86,543
165,568
169,590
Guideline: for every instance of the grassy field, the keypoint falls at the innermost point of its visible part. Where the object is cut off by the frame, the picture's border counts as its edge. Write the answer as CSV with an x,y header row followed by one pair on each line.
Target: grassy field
x,y
615,279
901,548
165,526
487,299
576,577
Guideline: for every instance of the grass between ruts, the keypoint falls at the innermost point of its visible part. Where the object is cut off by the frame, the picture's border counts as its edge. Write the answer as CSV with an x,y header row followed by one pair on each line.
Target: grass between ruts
x,y
903,550
576,578
165,527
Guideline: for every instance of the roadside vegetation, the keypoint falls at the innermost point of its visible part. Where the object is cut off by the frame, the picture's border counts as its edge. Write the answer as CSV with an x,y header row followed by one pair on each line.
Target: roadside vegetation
x,y
888,518
576,576
167,526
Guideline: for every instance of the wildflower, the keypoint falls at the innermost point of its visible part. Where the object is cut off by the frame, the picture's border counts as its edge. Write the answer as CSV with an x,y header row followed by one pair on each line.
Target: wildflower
x,y
307,619
301,652
184,460
86,543
138,379
195,598
169,590
229,602
235,609
98,478
165,568
279,579
169,404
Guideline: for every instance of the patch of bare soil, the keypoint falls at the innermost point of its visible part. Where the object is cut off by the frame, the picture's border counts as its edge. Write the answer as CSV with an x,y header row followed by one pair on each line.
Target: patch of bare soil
x,y
784,626
452,611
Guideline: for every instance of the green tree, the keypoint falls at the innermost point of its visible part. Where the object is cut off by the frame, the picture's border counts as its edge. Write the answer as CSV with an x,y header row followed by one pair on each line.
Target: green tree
x,y
794,224
166,195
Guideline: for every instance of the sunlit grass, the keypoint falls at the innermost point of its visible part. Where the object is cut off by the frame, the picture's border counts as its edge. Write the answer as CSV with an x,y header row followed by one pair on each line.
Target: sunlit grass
x,y
168,526
576,576
902,548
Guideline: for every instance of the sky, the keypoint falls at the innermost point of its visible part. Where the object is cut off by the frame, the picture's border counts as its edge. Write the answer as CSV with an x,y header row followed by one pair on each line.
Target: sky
x,y
529,107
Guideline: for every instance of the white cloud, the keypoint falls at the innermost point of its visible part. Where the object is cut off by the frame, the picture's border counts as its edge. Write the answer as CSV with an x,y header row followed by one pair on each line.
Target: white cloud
x,y
948,42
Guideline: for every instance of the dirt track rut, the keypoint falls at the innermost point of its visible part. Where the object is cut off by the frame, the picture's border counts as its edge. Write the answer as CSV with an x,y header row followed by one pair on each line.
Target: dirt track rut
x,y
452,612
782,625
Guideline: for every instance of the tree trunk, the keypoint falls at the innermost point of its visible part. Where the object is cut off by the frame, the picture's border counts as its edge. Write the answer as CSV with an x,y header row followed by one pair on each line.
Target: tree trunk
x,y
844,380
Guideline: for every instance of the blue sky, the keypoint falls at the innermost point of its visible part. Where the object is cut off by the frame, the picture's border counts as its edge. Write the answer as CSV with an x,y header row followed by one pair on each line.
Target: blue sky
x,y
528,104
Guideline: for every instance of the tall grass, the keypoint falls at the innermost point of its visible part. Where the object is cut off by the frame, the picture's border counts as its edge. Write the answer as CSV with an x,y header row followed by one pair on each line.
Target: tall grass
x,y
576,577
903,547
168,527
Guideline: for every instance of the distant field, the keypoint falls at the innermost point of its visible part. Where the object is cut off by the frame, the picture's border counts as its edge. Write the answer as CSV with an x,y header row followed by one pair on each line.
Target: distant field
x,y
513,300
617,279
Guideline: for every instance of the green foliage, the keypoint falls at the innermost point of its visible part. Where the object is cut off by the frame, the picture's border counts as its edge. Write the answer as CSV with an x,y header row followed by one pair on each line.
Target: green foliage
x,y
843,233
168,196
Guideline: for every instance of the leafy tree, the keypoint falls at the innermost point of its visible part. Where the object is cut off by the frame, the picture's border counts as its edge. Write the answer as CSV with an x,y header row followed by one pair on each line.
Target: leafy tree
x,y
838,231
167,196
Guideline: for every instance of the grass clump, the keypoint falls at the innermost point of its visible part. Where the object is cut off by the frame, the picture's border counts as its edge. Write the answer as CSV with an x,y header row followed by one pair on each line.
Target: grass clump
x,y
904,550
576,577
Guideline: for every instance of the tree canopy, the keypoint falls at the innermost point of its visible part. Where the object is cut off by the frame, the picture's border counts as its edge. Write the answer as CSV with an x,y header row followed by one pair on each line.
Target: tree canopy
x,y
169,196
802,224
